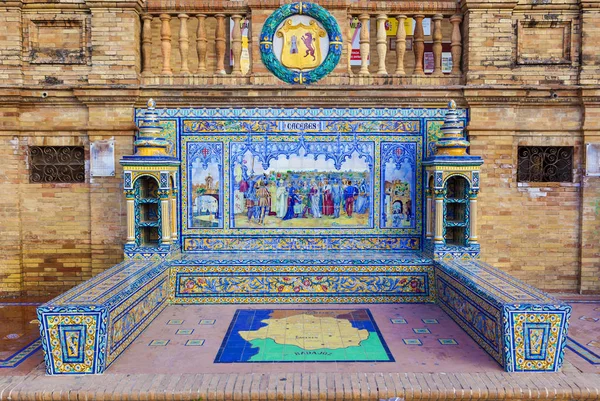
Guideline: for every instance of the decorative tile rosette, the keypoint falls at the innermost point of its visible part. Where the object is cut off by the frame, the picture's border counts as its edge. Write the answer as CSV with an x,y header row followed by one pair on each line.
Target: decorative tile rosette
x,y
324,18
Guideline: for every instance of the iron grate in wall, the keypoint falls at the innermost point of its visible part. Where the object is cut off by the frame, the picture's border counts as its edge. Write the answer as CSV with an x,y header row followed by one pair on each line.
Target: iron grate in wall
x,y
545,164
64,164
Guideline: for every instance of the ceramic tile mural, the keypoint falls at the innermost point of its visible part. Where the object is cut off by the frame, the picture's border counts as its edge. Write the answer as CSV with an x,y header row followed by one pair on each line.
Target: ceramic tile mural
x,y
312,179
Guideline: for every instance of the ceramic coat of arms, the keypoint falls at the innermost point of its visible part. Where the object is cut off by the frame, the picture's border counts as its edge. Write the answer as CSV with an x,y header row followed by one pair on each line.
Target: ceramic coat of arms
x,y
301,43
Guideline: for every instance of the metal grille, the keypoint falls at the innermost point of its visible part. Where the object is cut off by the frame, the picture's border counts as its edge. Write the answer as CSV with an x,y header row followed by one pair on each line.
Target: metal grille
x,y
56,164
545,164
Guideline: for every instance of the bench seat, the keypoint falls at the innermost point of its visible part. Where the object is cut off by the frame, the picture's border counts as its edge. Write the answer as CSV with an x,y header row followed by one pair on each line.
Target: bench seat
x,y
302,277
85,329
521,327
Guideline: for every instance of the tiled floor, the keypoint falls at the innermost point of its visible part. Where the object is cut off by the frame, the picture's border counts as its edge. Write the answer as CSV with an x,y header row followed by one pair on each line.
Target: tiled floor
x,y
420,338
20,347
583,348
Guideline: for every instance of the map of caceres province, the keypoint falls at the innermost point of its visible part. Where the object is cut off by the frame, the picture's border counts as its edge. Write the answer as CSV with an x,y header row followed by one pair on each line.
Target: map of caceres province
x,y
303,335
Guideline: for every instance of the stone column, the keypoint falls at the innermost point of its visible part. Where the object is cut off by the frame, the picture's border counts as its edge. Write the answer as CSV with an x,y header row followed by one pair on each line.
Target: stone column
x,y
437,44
439,217
174,216
201,43
165,221
130,221
418,44
455,20
429,219
184,43
365,44
236,46
400,45
165,38
381,43
146,44
220,43
473,237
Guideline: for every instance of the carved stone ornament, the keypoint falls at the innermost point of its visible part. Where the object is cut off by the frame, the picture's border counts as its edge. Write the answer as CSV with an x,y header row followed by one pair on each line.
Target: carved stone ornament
x,y
301,43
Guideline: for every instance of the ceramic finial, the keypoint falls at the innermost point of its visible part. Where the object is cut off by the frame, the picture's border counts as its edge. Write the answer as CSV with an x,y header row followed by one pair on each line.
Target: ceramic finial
x,y
452,105
151,103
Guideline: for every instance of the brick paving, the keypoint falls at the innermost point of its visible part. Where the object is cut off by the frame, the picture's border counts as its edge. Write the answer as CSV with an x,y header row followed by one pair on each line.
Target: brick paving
x,y
303,386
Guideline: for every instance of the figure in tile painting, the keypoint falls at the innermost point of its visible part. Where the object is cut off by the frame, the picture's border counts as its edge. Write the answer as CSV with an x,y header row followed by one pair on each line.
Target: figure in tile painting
x,y
327,199
315,199
350,194
300,190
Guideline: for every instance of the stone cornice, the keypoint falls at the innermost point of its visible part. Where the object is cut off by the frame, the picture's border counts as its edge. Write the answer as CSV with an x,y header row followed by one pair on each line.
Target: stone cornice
x,y
137,5
467,5
11,4
100,96
590,4
253,96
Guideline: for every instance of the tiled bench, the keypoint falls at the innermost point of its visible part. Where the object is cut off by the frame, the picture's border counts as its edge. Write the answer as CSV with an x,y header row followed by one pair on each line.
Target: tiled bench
x,y
302,277
84,330
522,328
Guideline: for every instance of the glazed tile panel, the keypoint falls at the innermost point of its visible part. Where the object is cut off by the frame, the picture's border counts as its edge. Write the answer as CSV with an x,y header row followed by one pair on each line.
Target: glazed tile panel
x,y
85,329
524,329
305,280
301,179
476,315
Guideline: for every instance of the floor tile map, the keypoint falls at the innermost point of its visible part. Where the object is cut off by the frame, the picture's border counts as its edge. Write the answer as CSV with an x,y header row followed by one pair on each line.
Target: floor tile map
x,y
303,335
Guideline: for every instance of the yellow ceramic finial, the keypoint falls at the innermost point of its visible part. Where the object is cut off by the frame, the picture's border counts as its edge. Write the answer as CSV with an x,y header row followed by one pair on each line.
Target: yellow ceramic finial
x,y
151,103
452,105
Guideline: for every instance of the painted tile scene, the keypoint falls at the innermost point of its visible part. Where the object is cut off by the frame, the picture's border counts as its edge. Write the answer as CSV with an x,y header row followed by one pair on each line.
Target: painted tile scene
x,y
307,186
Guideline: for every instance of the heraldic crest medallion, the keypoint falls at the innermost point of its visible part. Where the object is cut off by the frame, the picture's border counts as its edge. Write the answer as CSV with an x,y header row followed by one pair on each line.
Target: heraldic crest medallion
x,y
301,43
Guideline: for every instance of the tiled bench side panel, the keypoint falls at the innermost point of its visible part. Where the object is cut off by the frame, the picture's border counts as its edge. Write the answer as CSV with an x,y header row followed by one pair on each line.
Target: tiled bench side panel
x,y
114,306
131,317
533,324
481,319
535,336
73,339
301,284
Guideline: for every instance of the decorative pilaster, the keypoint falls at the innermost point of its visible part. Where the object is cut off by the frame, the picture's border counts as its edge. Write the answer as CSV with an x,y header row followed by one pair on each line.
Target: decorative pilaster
x,y
365,44
400,45
174,216
473,238
165,38
419,45
455,20
381,43
184,42
429,214
130,221
201,43
236,46
439,217
437,44
220,43
166,221
146,44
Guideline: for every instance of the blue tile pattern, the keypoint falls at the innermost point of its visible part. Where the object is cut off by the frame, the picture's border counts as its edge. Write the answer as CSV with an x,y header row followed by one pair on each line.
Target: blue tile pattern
x,y
524,329
18,357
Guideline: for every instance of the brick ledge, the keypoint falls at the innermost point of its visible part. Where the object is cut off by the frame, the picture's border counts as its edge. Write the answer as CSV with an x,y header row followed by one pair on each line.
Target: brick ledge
x,y
307,386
